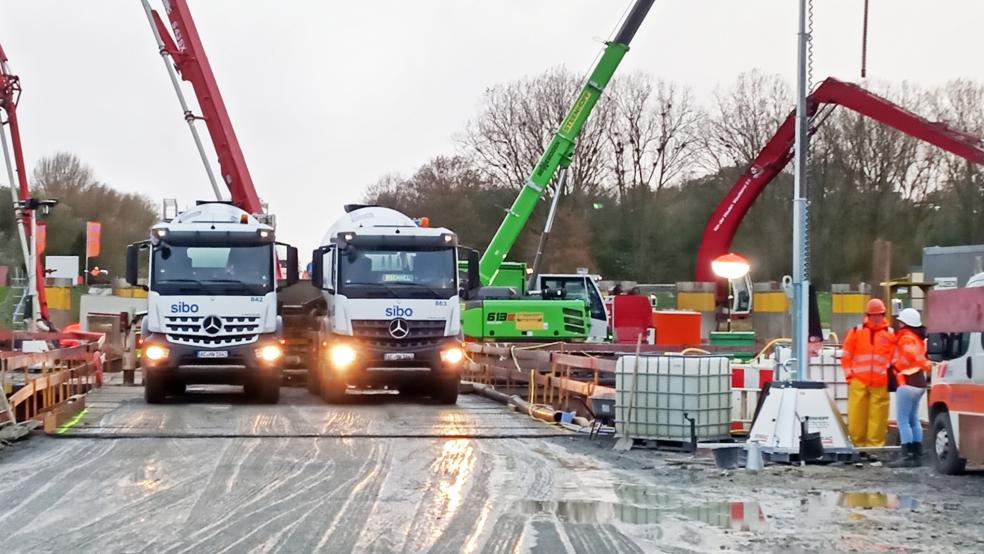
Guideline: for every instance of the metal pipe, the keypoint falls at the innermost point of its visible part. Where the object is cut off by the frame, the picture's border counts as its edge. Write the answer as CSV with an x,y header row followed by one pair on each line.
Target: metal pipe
x,y
542,246
188,116
801,239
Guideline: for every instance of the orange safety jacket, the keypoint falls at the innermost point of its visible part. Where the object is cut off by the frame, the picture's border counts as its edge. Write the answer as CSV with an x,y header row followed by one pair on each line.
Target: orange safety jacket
x,y
867,353
910,353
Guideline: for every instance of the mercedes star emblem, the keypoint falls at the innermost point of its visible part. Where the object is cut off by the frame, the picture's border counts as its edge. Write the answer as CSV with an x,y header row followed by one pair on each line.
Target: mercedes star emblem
x,y
212,325
399,328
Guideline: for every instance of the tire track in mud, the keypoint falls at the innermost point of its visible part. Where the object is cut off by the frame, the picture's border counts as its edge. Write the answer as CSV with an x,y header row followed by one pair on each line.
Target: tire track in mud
x,y
505,535
586,537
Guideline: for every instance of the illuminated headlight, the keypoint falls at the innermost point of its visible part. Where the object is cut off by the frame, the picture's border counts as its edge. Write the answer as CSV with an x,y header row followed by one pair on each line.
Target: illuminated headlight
x,y
263,233
342,356
448,238
156,353
269,353
160,233
453,355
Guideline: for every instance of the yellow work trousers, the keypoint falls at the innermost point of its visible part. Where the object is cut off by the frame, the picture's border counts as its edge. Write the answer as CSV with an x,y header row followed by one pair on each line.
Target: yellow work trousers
x,y
867,414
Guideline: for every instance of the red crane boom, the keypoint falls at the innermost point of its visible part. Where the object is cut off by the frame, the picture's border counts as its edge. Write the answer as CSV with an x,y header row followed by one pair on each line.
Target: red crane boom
x,y
10,91
777,153
186,49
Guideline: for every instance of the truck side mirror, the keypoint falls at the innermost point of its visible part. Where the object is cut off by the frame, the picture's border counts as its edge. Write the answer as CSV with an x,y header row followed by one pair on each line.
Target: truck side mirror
x,y
133,264
318,270
474,280
292,271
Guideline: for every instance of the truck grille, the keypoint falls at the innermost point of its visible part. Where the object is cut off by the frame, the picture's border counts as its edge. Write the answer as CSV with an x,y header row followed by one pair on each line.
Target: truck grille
x,y
376,333
212,331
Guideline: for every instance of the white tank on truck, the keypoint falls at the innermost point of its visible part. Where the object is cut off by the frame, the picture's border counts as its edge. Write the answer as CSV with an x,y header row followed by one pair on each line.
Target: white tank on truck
x,y
211,303
393,317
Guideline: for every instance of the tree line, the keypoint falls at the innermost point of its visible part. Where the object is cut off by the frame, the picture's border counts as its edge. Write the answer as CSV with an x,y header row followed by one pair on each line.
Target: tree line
x,y
653,162
125,217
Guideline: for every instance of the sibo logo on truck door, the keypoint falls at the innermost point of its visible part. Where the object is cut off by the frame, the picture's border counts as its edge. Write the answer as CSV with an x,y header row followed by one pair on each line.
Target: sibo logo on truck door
x,y
184,308
399,311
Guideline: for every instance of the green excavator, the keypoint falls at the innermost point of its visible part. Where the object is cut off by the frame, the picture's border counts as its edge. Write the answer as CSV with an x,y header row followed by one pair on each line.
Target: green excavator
x,y
508,304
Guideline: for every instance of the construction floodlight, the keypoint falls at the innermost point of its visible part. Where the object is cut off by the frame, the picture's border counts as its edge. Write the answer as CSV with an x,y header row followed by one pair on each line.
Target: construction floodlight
x,y
730,266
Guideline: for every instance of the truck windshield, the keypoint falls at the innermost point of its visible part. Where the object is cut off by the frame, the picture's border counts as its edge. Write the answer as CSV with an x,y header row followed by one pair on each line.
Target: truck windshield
x,y
213,270
397,273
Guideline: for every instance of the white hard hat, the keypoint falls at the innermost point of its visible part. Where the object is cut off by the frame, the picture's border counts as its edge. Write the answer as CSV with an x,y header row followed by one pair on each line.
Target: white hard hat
x,y
911,317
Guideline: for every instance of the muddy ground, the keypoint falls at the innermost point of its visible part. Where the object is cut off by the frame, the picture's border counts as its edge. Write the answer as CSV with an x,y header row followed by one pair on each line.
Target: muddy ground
x,y
213,472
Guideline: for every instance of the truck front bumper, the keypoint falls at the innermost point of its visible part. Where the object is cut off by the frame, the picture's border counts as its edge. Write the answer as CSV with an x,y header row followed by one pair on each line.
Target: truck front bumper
x,y
237,366
374,366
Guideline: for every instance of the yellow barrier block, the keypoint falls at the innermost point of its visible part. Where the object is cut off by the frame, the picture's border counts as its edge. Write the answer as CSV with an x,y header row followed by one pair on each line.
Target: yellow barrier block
x,y
130,292
774,301
696,301
849,303
59,298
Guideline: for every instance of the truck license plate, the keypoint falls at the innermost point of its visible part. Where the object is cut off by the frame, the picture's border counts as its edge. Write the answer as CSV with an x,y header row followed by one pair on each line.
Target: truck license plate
x,y
213,354
397,356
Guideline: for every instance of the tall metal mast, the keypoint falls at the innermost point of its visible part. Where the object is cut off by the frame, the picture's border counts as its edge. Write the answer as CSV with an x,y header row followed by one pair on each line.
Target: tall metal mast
x,y
801,213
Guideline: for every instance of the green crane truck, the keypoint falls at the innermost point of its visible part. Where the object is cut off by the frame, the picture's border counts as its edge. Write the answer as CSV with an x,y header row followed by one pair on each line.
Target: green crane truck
x,y
504,309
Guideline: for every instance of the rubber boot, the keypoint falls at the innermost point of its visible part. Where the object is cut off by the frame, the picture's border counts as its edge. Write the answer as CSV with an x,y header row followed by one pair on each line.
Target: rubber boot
x,y
905,458
916,450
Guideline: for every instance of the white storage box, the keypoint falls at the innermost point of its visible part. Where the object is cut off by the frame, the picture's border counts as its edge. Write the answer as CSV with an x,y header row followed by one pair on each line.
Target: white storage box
x,y
667,389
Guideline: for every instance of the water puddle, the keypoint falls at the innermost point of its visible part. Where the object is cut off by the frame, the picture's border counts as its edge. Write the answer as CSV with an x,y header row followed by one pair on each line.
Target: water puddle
x,y
642,505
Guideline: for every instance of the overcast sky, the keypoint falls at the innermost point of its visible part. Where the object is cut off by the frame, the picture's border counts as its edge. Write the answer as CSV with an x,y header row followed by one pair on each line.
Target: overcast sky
x,y
328,96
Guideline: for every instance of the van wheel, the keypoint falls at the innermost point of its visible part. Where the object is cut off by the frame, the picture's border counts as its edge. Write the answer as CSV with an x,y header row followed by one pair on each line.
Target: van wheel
x,y
446,390
154,387
945,453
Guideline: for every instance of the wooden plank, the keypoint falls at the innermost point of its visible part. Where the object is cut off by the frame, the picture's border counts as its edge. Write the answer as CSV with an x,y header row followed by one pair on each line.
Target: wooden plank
x,y
956,310
63,413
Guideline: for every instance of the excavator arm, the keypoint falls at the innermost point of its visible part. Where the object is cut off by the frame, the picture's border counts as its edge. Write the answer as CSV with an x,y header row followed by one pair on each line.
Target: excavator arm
x,y
777,153
561,148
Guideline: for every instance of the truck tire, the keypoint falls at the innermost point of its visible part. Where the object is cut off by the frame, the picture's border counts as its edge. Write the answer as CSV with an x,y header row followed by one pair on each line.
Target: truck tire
x,y
154,387
446,390
333,389
312,381
175,388
945,453
269,391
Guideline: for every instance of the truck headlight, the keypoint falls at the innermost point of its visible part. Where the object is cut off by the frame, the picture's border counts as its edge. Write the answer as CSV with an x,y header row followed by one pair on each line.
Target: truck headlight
x,y
270,353
453,355
342,356
156,353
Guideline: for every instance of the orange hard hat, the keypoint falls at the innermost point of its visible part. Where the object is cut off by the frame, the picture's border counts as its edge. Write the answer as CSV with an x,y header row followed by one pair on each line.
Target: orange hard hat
x,y
875,307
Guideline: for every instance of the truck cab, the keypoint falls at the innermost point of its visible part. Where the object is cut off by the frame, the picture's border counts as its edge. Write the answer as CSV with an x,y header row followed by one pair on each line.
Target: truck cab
x,y
211,303
393,316
956,397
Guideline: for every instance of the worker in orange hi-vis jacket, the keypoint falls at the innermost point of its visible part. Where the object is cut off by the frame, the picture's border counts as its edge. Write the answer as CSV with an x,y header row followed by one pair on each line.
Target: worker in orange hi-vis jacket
x,y
867,355
911,368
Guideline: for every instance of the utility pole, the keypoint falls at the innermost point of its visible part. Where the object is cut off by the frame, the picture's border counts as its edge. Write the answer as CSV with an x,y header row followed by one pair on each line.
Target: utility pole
x,y
801,215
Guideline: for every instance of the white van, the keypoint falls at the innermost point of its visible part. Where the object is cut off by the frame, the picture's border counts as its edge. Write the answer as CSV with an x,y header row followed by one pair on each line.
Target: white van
x,y
956,396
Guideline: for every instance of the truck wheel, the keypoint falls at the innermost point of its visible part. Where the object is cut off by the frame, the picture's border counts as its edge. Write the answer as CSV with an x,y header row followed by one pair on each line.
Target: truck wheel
x,y
945,451
269,391
312,380
154,387
446,390
333,389
175,388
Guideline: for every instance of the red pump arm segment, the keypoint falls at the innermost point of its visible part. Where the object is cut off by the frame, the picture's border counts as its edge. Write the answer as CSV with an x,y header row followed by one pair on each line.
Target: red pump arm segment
x,y
724,222
185,48
9,95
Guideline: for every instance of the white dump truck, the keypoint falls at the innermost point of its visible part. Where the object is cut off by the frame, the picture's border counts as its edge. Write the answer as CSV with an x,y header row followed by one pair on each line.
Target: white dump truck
x,y
393,316
212,303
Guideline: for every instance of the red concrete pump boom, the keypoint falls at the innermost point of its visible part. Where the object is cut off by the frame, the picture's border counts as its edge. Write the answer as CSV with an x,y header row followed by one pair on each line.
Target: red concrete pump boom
x,y
10,90
185,48
724,222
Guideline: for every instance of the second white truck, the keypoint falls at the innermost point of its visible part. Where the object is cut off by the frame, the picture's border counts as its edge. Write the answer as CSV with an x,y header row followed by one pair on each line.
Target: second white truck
x,y
393,312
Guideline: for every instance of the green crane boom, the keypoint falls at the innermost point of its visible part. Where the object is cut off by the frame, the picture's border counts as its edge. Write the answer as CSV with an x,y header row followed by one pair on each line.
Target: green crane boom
x,y
560,151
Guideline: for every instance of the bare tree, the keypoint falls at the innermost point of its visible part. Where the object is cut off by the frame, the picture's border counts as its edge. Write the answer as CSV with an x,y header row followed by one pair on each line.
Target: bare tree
x,y
742,119
652,133
517,122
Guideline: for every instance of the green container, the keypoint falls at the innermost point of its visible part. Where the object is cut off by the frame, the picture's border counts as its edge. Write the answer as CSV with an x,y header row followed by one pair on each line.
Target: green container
x,y
732,338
